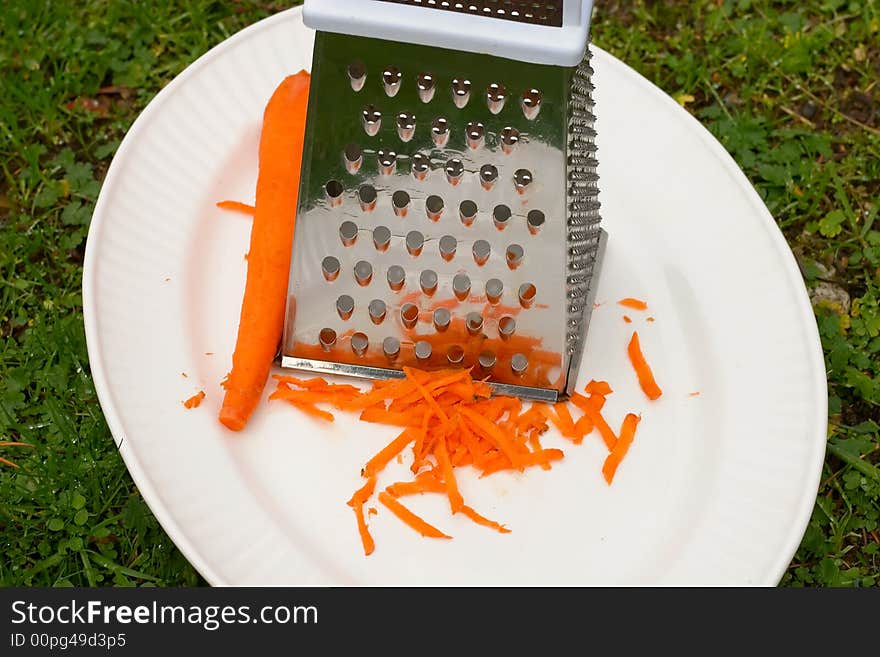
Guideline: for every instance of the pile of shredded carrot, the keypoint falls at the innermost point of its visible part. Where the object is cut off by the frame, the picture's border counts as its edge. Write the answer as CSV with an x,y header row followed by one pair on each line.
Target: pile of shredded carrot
x,y
449,420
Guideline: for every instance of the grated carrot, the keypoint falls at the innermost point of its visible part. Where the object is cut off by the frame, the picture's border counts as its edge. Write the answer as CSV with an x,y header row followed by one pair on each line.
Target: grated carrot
x,y
627,433
196,400
451,420
635,304
410,518
480,520
237,206
643,370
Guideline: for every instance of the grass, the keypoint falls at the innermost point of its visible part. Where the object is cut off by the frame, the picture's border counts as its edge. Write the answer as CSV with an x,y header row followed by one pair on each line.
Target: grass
x,y
790,88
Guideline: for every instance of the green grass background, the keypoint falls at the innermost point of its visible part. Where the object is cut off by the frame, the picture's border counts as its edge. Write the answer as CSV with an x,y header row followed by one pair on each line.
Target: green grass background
x,y
789,87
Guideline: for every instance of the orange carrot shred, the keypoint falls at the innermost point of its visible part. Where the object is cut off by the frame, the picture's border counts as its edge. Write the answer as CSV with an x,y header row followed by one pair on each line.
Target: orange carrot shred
x,y
363,530
196,400
694,394
593,402
643,370
485,522
456,502
237,206
410,518
423,483
362,494
598,388
380,460
314,411
635,304
601,425
492,432
627,319
566,422
627,433
535,443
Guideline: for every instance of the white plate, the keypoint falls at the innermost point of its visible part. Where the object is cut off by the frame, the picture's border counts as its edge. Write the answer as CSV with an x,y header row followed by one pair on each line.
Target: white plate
x,y
717,489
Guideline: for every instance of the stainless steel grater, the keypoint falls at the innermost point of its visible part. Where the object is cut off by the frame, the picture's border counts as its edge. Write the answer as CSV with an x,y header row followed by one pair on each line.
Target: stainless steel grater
x,y
448,212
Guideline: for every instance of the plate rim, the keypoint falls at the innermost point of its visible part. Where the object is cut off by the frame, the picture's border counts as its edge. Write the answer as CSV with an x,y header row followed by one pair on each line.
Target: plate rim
x,y
111,413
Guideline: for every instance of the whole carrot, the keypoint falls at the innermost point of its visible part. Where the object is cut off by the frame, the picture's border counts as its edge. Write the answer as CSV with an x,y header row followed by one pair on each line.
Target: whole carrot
x,y
265,294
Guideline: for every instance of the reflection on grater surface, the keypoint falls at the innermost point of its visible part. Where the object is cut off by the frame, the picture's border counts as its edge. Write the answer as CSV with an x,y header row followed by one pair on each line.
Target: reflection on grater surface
x,y
455,193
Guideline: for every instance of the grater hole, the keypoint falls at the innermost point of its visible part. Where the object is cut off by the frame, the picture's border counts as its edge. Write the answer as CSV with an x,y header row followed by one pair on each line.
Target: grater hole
x,y
522,178
494,289
526,294
333,190
434,207
519,364
487,360
475,134
501,216
496,96
391,79
400,202
488,176
409,315
367,198
391,348
327,338
345,306
426,86
440,131
330,268
506,327
461,92
363,272
348,232
359,343
377,311
428,282
372,120
454,171
509,139
467,212
474,323
442,319
455,355
448,244
422,350
414,242
461,286
353,157
406,126
381,238
396,277
357,74
535,221
531,103
514,256
481,251
387,162
421,166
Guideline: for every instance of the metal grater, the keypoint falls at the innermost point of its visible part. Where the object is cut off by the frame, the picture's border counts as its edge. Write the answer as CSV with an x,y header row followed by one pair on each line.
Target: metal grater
x,y
448,212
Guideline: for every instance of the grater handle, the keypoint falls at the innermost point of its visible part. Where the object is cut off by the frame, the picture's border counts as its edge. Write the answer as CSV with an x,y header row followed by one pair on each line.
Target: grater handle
x,y
424,25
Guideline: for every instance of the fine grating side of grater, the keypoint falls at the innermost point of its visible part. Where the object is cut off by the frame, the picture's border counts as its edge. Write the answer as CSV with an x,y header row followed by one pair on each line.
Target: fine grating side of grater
x,y
448,212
